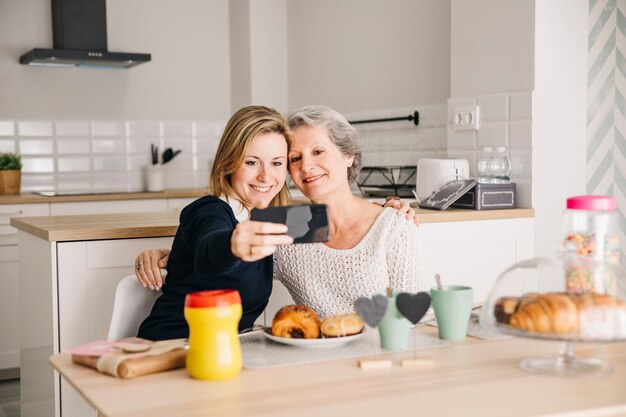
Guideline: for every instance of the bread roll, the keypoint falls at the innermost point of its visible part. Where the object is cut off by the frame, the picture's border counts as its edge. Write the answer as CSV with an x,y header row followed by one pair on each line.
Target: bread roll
x,y
342,325
585,315
296,322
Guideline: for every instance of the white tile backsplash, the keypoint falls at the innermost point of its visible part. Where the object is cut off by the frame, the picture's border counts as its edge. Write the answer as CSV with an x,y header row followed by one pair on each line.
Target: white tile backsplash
x,y
36,147
35,128
109,163
521,164
492,134
110,181
7,145
521,106
505,121
461,139
7,128
73,146
77,164
178,129
144,129
182,179
107,155
73,128
208,129
185,144
109,146
37,165
494,107
103,128
520,135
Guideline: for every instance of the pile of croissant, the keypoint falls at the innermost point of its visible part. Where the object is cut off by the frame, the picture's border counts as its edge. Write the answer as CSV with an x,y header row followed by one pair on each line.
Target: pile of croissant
x,y
584,315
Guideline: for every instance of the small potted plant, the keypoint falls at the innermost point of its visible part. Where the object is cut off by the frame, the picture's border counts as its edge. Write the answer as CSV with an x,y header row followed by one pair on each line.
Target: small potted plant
x,y
10,173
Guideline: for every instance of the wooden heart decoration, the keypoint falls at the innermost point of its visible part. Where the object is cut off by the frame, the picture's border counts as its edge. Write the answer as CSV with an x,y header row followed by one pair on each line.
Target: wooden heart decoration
x,y
413,306
371,311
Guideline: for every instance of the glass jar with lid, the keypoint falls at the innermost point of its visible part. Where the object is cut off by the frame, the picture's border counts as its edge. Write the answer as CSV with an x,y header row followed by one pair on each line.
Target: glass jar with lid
x,y
590,230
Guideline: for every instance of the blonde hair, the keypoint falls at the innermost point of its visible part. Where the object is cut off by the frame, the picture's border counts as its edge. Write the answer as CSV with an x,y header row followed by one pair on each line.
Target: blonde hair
x,y
242,127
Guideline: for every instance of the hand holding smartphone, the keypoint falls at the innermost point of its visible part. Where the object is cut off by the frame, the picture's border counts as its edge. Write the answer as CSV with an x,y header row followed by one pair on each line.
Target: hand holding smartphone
x,y
306,223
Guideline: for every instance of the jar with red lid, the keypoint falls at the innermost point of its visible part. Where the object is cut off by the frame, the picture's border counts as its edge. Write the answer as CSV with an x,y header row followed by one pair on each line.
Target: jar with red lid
x,y
214,351
590,230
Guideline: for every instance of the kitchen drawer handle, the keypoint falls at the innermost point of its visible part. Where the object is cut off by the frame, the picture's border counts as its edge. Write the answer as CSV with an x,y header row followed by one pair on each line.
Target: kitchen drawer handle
x,y
11,214
9,233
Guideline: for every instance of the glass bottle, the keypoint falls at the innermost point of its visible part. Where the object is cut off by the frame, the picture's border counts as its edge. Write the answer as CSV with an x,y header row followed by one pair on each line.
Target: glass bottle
x,y
484,162
500,166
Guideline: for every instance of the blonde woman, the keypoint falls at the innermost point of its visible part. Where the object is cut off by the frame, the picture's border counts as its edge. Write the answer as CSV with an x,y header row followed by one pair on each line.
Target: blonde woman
x,y
216,247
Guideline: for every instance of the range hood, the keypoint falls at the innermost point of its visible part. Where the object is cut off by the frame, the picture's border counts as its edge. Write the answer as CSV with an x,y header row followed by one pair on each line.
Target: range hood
x,y
80,39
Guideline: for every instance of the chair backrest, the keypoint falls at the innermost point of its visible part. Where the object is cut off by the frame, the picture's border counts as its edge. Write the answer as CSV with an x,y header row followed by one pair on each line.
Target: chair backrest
x,y
132,305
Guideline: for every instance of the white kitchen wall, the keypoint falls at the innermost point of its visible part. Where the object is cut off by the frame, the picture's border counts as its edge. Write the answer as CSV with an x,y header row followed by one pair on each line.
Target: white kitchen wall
x,y
401,142
368,55
505,120
109,155
559,114
188,78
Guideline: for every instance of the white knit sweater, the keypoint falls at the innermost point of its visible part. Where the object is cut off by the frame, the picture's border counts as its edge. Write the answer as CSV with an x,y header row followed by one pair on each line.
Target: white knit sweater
x,y
329,280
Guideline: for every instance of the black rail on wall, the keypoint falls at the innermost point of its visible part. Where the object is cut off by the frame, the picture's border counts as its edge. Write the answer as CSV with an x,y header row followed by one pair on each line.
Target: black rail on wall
x,y
415,117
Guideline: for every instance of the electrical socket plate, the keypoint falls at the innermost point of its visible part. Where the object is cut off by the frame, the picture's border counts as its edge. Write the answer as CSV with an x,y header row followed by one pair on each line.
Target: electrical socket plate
x,y
466,118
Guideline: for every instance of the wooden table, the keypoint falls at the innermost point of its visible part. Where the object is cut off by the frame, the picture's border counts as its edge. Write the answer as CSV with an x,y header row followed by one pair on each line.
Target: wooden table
x,y
470,378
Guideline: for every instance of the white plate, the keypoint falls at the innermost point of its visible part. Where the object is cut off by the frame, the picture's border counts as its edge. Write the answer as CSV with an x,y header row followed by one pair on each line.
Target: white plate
x,y
314,343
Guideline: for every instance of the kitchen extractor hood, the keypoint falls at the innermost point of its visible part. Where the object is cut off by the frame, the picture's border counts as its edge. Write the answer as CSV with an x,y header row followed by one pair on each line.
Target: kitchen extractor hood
x,y
80,39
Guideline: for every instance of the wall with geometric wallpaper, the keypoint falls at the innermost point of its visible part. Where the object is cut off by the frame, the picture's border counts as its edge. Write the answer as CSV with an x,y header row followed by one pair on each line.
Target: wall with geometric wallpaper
x,y
606,105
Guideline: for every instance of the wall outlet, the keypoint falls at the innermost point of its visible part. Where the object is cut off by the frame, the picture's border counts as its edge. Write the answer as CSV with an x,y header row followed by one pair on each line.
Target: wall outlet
x,y
466,118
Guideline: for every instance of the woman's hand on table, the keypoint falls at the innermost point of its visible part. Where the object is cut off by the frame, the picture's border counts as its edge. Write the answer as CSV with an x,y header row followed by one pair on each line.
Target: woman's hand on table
x,y
148,265
252,240
404,208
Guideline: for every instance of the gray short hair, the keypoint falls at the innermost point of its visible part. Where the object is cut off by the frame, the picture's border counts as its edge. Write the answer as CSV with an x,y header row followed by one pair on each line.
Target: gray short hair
x,y
340,131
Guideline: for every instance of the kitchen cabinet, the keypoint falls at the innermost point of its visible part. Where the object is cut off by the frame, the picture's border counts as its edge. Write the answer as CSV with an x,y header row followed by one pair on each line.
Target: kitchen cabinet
x,y
9,281
66,300
177,204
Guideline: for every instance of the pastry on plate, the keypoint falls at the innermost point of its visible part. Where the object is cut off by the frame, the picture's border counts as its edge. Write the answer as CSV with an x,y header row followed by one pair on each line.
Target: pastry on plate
x,y
586,315
339,325
296,322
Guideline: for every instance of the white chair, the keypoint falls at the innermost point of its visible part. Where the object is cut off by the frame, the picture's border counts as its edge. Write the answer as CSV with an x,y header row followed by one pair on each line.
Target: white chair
x,y
132,305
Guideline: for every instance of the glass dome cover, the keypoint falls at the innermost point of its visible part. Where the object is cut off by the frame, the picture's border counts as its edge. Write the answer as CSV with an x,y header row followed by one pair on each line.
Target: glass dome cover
x,y
567,297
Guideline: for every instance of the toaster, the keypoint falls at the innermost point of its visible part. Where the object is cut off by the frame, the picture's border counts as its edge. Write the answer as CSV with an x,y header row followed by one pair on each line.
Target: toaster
x,y
433,173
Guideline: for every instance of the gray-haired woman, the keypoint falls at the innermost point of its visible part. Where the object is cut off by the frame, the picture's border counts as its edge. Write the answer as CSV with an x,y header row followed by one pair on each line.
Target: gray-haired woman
x,y
371,248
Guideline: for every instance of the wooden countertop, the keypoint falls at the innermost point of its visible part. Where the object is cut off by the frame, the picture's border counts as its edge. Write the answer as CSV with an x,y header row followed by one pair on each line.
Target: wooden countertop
x,y
36,198
470,378
138,225
99,226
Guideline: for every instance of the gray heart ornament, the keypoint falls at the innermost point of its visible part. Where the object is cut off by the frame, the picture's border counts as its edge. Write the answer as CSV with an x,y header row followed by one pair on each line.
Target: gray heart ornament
x,y
371,310
413,306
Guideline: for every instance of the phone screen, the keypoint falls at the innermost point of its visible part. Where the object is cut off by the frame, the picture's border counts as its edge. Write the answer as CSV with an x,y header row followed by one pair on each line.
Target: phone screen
x,y
307,223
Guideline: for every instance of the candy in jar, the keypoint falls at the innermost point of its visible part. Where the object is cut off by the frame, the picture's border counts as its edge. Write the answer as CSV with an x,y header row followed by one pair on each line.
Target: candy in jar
x,y
590,224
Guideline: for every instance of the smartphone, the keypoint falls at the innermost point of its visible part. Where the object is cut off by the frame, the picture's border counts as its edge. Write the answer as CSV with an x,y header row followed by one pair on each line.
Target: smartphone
x,y
307,223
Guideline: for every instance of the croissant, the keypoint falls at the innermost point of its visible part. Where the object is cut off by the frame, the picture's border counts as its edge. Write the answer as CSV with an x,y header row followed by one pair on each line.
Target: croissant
x,y
587,315
296,322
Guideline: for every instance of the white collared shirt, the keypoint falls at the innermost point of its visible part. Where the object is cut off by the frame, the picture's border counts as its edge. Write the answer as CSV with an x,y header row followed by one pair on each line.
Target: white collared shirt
x,y
241,212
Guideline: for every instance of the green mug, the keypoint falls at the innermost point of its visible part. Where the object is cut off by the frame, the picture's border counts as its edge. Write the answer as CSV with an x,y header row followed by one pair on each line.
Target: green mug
x,y
394,329
453,307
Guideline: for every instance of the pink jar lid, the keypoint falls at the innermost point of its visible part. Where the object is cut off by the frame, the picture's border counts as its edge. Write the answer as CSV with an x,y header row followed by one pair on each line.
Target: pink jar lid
x,y
592,202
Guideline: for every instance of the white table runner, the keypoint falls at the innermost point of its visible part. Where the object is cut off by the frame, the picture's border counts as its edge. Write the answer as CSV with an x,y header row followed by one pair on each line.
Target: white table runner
x,y
260,352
